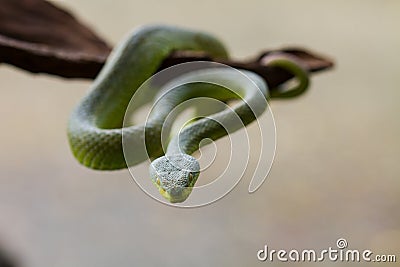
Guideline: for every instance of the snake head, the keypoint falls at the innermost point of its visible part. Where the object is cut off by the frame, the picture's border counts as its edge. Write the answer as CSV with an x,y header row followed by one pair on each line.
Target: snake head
x,y
175,176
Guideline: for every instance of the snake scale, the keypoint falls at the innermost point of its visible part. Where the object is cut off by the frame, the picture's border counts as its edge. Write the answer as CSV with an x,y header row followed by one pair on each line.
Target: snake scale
x,y
95,127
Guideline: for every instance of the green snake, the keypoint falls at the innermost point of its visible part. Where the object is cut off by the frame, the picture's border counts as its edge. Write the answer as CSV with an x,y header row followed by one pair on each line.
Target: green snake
x,y
96,125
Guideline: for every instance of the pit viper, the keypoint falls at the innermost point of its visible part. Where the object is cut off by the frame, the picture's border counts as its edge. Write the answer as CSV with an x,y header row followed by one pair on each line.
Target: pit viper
x,y
96,126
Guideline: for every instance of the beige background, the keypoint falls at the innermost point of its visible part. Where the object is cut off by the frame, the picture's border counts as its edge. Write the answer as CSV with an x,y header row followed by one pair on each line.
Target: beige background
x,y
336,172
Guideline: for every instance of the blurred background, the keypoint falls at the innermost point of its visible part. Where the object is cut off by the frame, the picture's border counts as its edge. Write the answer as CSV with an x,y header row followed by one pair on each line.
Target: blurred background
x,y
336,172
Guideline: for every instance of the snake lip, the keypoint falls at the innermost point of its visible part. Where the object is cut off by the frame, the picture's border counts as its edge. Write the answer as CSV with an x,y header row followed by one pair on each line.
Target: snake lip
x,y
178,195
172,194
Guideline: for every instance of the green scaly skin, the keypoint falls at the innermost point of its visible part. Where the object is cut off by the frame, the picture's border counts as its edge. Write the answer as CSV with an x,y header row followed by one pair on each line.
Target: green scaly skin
x,y
95,126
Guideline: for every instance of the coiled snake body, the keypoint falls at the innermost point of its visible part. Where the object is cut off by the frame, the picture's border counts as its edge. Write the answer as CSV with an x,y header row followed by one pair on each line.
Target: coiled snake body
x,y
95,126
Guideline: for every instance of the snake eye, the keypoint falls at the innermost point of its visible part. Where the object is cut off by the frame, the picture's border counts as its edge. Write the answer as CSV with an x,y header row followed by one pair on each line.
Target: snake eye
x,y
190,179
158,181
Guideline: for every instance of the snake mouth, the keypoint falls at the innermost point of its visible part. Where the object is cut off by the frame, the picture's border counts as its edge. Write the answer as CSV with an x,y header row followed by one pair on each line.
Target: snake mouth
x,y
174,195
